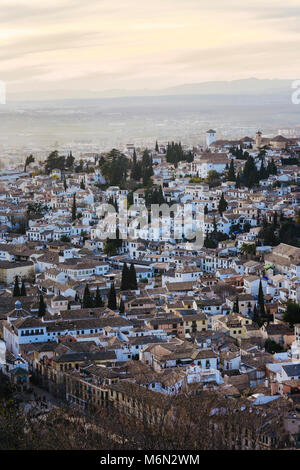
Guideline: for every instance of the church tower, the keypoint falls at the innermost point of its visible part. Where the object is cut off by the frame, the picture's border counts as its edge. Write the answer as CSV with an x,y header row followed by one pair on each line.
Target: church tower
x,y
258,140
210,137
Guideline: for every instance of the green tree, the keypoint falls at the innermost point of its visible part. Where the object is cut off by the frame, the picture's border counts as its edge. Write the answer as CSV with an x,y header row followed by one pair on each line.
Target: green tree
x,y
112,245
70,160
82,185
289,232
29,159
213,177
250,174
256,317
42,306
222,204
112,300
132,277
98,302
74,208
263,172
125,283
175,153
272,347
271,167
54,161
189,156
248,248
16,291
114,168
268,234
87,298
292,313
231,172
136,170
146,167
261,300
23,289
122,306
79,167
110,248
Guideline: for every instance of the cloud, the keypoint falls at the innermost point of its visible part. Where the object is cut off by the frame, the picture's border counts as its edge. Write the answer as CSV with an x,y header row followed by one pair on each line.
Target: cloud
x,y
45,11
43,43
158,26
137,43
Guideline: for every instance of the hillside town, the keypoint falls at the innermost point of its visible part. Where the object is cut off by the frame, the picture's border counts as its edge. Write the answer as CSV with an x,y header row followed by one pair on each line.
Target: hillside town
x,y
105,304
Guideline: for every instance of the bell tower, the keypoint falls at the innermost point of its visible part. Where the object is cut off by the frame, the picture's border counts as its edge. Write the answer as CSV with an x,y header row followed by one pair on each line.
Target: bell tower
x,y
210,137
258,139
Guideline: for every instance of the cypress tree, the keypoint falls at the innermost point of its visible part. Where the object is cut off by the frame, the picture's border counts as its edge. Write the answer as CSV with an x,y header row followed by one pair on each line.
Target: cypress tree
x,y
70,160
136,168
256,316
236,305
74,208
263,172
42,306
231,172
161,199
112,301
222,204
23,289
272,168
132,277
258,217
82,185
156,147
125,283
98,302
87,298
250,173
122,306
16,291
65,184
261,300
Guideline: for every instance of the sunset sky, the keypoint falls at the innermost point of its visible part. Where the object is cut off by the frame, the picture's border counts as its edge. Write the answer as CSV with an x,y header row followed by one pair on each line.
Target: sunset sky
x,y
137,44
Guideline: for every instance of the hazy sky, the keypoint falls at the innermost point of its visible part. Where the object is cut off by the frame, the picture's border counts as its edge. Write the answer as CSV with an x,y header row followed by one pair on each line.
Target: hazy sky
x,y
136,44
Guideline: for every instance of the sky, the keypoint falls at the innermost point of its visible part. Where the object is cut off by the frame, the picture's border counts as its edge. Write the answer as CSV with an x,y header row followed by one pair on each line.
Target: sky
x,y
49,45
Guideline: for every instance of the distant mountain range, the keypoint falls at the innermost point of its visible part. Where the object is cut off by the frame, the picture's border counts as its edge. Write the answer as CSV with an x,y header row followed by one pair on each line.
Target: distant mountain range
x,y
235,87
248,86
